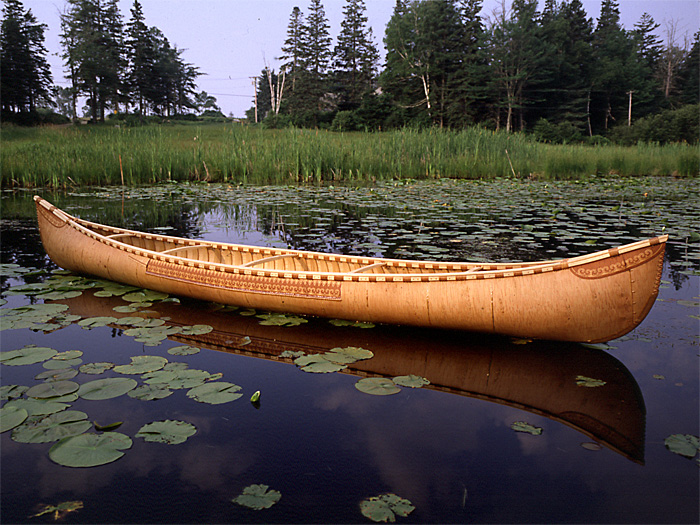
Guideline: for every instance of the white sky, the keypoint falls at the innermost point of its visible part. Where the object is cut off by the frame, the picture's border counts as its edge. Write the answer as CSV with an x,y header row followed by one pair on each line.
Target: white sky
x,y
230,40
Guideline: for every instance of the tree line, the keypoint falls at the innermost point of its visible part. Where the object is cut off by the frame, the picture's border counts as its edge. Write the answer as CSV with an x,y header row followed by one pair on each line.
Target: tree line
x,y
113,65
553,72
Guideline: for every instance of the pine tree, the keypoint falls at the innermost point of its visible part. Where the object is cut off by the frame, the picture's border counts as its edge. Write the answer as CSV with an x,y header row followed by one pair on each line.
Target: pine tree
x,y
293,49
140,54
355,56
315,58
25,77
689,75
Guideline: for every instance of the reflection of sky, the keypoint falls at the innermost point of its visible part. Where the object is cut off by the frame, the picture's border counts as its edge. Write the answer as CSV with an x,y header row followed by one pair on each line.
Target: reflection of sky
x,y
325,446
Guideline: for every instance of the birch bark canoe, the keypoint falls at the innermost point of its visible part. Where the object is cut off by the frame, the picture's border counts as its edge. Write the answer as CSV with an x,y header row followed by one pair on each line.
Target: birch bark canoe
x,y
589,298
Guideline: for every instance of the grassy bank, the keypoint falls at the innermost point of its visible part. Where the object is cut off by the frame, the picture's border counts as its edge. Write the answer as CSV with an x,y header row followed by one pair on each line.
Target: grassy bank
x,y
66,156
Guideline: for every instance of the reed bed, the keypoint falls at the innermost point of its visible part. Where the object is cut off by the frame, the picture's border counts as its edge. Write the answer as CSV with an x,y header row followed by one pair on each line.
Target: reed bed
x,y
104,155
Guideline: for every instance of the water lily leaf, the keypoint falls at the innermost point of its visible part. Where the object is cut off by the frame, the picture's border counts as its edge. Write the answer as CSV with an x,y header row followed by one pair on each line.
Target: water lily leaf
x,y
275,319
354,351
215,393
52,389
12,391
108,427
57,296
95,368
144,296
37,407
106,388
411,381
95,322
356,324
589,382
10,417
386,507
141,364
168,431
257,497
377,386
184,350
60,364
198,329
178,379
90,450
68,355
318,364
684,444
44,429
27,355
150,392
522,426
57,375
292,353
59,511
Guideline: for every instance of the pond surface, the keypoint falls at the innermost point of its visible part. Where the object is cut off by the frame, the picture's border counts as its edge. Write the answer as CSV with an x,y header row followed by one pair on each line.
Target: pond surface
x,y
506,431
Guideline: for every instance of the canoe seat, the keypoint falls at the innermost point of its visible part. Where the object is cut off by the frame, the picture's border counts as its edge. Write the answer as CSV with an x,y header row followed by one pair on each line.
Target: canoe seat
x,y
368,267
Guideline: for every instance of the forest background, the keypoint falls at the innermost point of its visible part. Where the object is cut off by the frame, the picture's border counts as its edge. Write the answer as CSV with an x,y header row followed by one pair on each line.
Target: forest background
x,y
552,72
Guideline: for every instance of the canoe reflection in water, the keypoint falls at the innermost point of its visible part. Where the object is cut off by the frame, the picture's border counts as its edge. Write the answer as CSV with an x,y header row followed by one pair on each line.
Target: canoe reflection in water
x,y
538,377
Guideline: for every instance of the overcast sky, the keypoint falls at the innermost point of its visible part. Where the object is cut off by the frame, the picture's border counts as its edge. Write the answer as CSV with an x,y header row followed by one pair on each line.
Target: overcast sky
x,y
230,40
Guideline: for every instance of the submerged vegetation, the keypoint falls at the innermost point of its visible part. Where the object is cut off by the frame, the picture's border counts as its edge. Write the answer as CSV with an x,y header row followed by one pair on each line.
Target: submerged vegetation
x,y
75,156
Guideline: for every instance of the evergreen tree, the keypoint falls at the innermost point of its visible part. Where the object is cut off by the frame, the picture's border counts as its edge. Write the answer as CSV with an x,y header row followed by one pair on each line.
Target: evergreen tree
x,y
315,59
141,59
355,56
25,78
293,53
689,75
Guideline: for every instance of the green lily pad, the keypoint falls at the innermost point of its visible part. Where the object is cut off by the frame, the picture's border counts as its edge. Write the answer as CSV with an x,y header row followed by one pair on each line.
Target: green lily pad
x,y
144,296
281,320
386,507
106,388
168,431
38,407
522,426
68,355
11,417
411,381
198,329
95,368
61,364
589,382
292,353
62,374
27,355
150,392
52,389
142,364
44,429
356,324
12,391
683,444
257,497
318,364
59,511
377,386
215,393
90,450
178,379
95,322
184,350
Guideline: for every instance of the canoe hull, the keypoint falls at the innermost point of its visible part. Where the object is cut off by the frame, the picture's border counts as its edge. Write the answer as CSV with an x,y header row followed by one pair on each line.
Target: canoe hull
x,y
600,300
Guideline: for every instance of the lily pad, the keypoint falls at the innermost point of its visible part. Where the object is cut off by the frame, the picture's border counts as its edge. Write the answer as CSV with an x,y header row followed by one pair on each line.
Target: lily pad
x,y
168,431
68,355
683,444
589,382
318,364
142,364
95,368
197,329
57,375
38,407
150,392
44,429
356,324
95,322
61,364
377,386
386,507
106,388
59,511
12,391
411,381
144,296
178,379
215,393
10,417
281,320
184,350
52,389
522,426
27,355
90,450
258,497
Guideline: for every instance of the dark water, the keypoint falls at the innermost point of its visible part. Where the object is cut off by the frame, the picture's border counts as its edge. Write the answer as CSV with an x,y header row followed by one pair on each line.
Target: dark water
x,y
325,446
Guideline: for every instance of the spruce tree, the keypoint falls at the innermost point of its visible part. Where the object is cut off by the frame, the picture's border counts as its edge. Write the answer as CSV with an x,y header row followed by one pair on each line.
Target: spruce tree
x,y
293,57
315,59
25,77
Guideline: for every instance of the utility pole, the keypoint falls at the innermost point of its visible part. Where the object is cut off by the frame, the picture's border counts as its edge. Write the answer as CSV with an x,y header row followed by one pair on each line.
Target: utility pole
x,y
255,90
629,112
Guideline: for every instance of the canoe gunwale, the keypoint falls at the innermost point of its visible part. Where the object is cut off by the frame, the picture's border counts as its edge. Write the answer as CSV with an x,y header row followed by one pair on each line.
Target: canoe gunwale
x,y
475,270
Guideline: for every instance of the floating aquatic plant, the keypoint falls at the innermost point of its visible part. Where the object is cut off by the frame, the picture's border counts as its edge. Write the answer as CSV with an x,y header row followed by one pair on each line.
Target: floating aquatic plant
x,y
257,497
27,355
522,426
386,507
44,429
215,393
59,511
377,386
169,432
90,450
108,388
683,444
11,417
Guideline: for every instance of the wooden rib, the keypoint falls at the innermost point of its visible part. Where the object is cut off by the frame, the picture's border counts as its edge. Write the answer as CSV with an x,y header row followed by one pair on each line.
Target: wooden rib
x,y
475,269
180,248
271,258
368,267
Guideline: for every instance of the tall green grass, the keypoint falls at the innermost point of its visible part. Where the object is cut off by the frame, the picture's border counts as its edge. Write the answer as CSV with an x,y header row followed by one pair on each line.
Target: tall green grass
x,y
87,155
